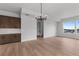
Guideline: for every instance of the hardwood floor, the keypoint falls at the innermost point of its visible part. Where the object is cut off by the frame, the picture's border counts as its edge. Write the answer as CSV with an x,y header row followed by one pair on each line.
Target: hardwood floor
x,y
54,46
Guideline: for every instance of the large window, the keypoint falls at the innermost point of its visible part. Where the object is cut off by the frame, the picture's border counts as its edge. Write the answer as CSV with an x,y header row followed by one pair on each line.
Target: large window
x,y
69,26
77,26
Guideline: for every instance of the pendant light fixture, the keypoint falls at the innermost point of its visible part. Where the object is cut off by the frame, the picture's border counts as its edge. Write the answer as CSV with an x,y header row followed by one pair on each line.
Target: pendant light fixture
x,y
41,17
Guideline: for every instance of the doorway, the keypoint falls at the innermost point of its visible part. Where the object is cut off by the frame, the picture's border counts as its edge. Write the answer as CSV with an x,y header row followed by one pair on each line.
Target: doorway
x,y
40,29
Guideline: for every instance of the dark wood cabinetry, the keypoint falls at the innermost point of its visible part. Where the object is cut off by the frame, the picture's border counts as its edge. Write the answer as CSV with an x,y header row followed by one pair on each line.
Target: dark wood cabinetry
x,y
9,22
10,38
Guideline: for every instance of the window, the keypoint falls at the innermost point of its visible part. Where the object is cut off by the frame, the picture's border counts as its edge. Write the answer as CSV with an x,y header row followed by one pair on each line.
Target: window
x,y
77,26
69,26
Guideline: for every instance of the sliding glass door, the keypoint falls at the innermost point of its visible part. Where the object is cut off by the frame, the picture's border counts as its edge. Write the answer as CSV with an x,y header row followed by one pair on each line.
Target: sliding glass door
x,y
77,28
71,27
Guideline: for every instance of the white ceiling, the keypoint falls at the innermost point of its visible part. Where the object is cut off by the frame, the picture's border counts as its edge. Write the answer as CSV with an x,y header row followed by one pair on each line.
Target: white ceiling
x,y
55,11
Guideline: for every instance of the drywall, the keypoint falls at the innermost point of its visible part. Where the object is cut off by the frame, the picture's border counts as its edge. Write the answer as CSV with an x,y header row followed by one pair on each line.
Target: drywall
x,y
60,31
28,28
49,28
6,13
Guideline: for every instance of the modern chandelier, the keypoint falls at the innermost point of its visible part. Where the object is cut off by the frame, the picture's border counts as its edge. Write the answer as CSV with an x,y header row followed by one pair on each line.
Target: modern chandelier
x,y
41,17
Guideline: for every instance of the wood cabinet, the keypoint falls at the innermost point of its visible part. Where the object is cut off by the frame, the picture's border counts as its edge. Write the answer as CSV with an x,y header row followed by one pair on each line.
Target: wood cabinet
x,y
9,22
10,38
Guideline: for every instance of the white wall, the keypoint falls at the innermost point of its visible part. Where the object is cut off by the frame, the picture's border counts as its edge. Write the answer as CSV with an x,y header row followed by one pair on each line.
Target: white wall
x,y
6,13
49,28
28,28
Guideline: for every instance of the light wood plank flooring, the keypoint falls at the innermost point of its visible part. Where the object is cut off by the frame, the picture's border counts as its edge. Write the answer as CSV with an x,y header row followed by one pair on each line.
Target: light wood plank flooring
x,y
54,46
